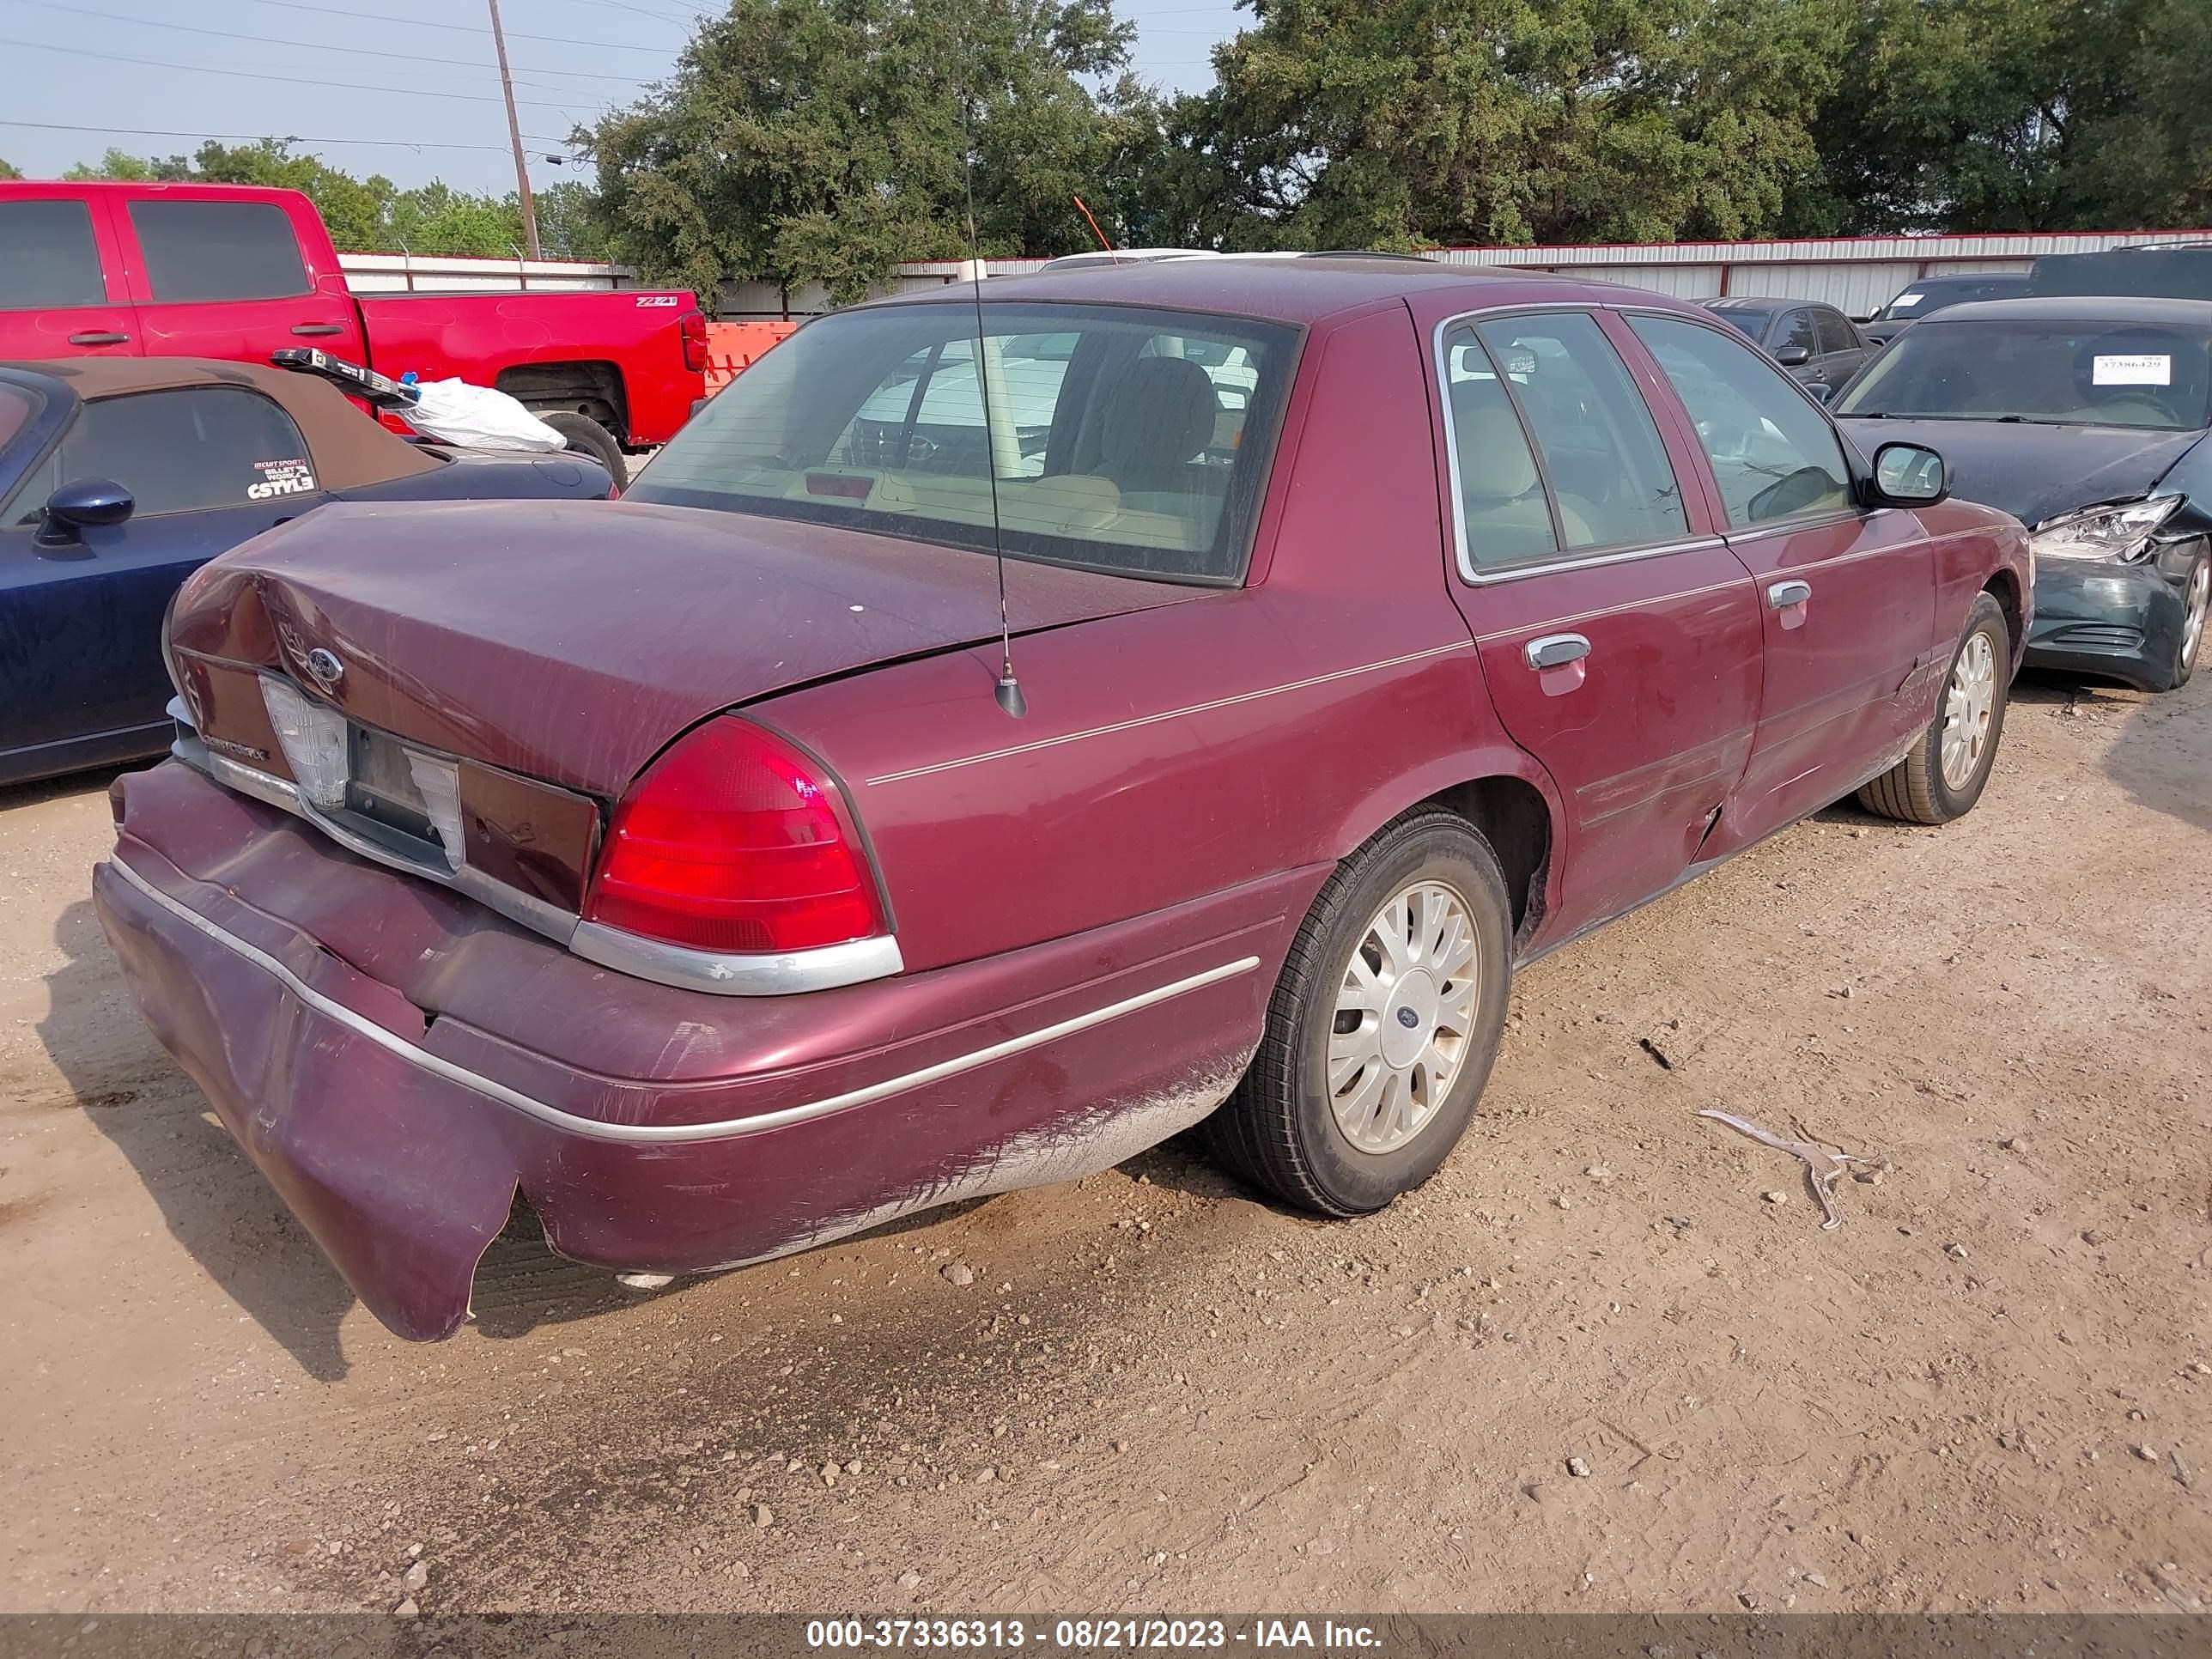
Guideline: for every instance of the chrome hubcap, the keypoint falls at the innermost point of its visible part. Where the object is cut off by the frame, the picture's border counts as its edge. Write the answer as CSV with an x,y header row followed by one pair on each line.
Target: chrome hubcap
x,y
1405,1015
1970,702
2192,624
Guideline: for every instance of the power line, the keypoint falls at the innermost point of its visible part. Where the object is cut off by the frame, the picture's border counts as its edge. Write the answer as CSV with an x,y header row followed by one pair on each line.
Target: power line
x,y
460,28
248,137
662,16
270,74
309,46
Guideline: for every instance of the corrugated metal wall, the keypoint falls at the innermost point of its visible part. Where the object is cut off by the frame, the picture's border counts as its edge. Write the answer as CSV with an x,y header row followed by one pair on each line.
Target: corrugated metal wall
x,y
1857,275
399,273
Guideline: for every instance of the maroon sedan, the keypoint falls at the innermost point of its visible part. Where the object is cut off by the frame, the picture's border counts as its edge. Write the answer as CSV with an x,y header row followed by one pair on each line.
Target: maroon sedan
x,y
1379,626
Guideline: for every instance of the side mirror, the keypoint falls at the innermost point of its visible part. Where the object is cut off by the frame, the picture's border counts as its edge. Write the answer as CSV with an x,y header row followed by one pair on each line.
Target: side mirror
x,y
1821,392
1793,356
81,506
1906,474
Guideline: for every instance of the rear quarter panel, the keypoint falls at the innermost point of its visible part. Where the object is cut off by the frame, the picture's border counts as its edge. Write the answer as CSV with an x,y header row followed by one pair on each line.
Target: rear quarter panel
x,y
474,336
1247,740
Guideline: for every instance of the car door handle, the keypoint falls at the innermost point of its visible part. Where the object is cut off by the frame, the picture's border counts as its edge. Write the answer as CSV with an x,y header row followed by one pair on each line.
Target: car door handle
x,y
1783,595
98,337
1555,650
318,328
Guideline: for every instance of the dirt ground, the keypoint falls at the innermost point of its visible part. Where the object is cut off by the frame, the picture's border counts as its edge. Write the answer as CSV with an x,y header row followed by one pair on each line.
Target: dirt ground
x,y
1991,1388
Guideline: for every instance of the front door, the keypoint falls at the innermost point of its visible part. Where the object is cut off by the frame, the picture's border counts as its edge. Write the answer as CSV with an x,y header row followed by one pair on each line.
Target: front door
x,y
61,288
81,675
1846,597
1619,637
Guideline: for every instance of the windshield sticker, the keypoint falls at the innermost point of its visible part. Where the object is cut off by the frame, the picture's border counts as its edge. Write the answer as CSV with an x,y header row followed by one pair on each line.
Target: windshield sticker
x,y
292,478
2133,371
1905,301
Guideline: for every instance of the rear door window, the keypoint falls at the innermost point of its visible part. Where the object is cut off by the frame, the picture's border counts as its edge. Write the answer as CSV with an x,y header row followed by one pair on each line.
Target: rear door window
x,y
1774,455
183,451
1835,333
1603,455
1504,516
1794,328
49,258
206,250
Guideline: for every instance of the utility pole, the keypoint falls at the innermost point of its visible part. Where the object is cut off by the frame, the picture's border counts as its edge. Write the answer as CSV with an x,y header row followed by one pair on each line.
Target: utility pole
x,y
514,138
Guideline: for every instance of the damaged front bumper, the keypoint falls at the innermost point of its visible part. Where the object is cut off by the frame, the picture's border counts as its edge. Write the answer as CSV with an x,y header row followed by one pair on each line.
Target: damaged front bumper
x,y
397,1061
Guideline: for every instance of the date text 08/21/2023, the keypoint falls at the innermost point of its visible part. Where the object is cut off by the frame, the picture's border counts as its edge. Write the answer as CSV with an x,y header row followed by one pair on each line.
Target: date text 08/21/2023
x,y
1088,1635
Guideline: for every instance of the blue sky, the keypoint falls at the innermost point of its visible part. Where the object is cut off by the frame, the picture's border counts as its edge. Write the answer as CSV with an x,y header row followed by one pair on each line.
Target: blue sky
x,y
409,85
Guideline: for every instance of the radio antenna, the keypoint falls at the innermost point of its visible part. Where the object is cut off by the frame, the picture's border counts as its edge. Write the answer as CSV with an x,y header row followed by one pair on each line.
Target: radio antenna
x,y
1009,689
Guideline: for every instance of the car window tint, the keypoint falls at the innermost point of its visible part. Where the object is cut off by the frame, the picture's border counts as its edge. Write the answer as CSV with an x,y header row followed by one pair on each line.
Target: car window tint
x,y
48,257
1796,329
1116,438
1753,323
1834,332
1773,454
1503,512
183,451
201,251
1601,451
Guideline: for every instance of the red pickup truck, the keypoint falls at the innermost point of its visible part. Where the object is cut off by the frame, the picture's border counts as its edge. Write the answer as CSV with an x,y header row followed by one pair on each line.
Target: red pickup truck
x,y
234,271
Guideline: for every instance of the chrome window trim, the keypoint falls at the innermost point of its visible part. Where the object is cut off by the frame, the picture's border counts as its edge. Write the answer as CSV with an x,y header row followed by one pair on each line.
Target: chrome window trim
x,y
721,973
1567,559
662,1134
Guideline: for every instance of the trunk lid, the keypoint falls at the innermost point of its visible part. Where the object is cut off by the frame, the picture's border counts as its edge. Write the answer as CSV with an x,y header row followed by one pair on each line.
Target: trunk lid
x,y
571,641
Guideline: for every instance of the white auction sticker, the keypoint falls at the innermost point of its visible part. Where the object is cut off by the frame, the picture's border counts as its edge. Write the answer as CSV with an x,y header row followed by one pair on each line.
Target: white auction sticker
x,y
1905,301
2133,371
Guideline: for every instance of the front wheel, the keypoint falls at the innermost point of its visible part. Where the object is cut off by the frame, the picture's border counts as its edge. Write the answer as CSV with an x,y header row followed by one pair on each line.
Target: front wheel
x,y
1383,1027
2196,599
1949,767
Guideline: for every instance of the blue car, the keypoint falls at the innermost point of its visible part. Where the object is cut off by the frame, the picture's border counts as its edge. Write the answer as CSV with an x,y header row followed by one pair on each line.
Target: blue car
x,y
120,477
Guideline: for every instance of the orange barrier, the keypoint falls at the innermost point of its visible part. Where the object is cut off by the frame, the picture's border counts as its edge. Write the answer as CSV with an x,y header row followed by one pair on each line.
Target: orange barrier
x,y
732,348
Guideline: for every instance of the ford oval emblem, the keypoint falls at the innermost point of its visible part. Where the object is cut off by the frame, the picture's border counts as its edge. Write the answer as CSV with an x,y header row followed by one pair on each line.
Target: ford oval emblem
x,y
326,667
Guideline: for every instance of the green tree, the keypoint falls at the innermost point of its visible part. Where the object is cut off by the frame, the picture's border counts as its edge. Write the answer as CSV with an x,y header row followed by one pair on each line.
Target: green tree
x,y
2016,115
823,140
1395,123
8,170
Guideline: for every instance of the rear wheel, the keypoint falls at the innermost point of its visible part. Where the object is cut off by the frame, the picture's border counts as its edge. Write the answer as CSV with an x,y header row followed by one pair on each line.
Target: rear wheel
x,y
1383,1027
1945,774
587,437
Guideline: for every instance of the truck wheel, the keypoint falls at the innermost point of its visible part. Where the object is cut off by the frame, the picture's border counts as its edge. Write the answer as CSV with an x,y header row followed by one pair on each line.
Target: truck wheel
x,y
587,437
1945,774
1383,1024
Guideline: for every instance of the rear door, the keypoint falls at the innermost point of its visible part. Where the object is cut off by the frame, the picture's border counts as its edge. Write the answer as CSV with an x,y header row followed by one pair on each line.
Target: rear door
x,y
225,278
1619,637
81,621
62,293
1846,596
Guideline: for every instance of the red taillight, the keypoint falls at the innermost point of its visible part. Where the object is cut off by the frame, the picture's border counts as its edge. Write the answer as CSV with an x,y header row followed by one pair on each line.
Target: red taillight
x,y
694,341
733,841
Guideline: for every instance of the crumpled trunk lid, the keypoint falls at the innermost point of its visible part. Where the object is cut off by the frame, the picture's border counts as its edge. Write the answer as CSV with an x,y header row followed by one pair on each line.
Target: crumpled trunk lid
x,y
571,640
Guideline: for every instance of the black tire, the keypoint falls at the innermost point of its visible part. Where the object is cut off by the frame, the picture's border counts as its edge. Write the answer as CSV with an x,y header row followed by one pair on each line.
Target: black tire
x,y
1278,1131
587,437
1914,791
2188,644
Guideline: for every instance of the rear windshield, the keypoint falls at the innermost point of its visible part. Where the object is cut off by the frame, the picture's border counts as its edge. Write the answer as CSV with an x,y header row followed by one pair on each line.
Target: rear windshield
x,y
1120,439
2060,374
1753,323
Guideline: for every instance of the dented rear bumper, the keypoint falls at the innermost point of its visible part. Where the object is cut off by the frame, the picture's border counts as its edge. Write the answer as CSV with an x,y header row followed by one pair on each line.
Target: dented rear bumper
x,y
398,1062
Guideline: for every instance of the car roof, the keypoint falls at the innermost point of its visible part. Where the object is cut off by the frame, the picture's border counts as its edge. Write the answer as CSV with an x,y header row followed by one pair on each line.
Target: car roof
x,y
348,448
1289,288
1755,302
2076,308
1958,278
